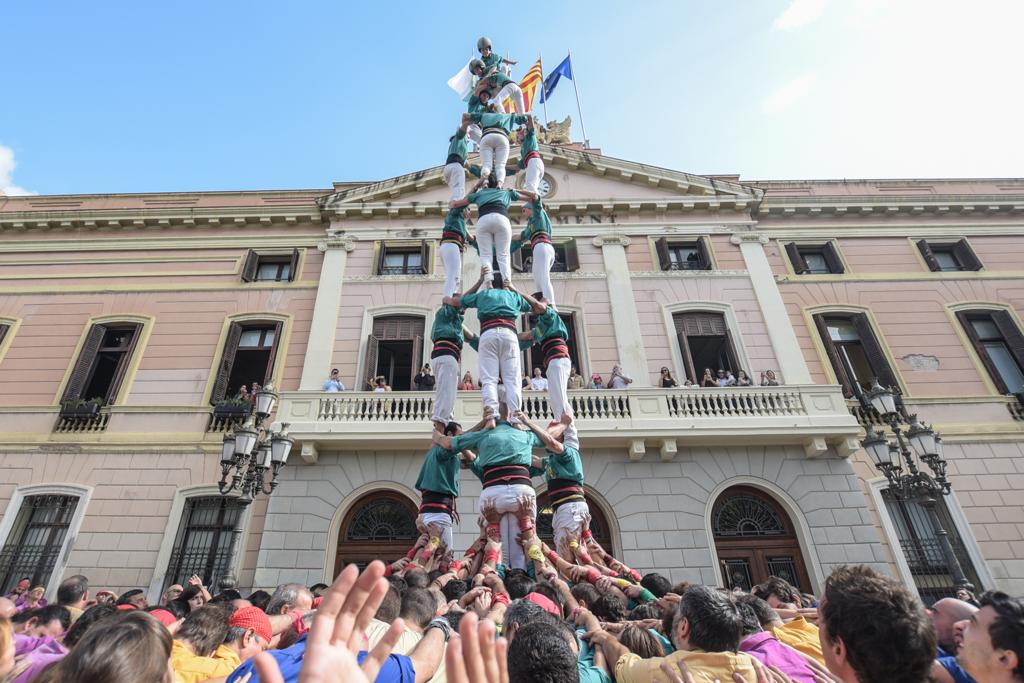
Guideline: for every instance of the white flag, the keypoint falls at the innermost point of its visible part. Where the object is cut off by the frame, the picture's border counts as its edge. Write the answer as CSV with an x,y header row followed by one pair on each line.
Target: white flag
x,y
462,82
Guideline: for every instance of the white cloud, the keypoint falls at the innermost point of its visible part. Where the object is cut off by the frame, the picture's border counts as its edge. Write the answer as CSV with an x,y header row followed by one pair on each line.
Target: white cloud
x,y
7,166
789,94
799,13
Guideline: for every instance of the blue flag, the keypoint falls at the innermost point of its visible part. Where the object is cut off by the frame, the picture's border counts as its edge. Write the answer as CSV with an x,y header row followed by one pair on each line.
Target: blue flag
x,y
563,69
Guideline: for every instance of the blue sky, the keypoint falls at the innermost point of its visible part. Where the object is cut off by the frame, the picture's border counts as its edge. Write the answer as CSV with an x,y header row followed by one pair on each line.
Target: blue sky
x,y
144,97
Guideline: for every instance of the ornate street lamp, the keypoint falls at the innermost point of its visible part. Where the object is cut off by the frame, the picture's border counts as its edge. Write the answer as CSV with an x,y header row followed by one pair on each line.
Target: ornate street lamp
x,y
899,463
247,455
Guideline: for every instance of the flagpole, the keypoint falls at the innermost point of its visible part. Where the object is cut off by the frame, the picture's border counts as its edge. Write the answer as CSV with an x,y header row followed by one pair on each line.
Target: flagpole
x,y
543,97
583,127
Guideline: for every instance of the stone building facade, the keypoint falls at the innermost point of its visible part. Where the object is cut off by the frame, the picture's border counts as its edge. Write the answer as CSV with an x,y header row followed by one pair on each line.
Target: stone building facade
x,y
162,305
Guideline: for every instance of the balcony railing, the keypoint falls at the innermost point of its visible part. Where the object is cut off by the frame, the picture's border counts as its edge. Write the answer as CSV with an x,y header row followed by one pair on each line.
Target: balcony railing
x,y
814,416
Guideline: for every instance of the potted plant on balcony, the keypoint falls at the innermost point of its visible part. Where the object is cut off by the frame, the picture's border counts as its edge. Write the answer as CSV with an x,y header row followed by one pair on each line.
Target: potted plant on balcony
x,y
81,409
232,408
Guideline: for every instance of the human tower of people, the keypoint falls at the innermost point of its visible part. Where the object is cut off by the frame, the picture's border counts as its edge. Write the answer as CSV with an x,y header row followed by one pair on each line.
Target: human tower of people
x,y
500,448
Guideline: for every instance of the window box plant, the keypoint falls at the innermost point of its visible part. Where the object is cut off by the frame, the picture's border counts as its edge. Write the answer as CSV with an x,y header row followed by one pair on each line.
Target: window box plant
x,y
81,409
232,408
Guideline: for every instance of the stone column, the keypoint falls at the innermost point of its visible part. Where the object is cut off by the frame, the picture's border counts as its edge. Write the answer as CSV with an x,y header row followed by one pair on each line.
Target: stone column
x,y
324,327
792,364
628,339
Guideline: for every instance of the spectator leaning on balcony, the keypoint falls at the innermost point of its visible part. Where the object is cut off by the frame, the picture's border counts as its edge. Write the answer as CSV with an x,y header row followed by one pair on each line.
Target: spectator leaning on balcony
x,y
595,382
619,380
576,380
538,383
708,380
768,379
667,381
334,383
467,382
725,378
742,380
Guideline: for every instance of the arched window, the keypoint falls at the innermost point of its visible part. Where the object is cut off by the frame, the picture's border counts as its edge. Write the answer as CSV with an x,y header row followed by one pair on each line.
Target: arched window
x,y
381,525
598,523
754,538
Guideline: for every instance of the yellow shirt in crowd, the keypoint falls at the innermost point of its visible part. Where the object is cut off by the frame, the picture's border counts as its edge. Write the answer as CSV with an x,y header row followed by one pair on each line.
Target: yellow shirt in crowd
x,y
802,636
706,667
192,668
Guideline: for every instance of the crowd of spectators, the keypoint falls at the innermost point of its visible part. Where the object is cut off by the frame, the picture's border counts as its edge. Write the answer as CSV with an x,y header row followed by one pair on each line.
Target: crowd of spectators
x,y
417,627
617,379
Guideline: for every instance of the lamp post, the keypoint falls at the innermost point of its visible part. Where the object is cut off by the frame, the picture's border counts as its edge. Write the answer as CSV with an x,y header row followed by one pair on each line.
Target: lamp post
x,y
247,454
908,481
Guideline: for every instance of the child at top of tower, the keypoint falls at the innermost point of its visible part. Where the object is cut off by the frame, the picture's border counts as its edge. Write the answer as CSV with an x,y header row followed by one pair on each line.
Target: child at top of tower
x,y
490,59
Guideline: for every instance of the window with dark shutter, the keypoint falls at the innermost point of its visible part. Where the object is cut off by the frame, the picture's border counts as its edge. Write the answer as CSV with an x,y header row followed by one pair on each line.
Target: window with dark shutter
x,y
705,344
249,267
102,362
270,267
683,254
4,329
949,256
572,256
203,541
814,259
35,540
855,353
250,350
999,344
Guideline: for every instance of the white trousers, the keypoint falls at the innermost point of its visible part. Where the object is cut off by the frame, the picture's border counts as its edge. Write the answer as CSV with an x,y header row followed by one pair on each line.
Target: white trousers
x,y
444,520
505,500
446,384
543,259
558,379
534,172
494,236
512,90
451,257
499,357
493,156
455,177
568,521
474,132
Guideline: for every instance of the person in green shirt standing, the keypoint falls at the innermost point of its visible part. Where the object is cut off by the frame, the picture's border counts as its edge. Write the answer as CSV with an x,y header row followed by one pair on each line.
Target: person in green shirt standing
x,y
530,159
538,232
454,173
438,484
498,310
508,500
494,145
562,469
454,237
493,228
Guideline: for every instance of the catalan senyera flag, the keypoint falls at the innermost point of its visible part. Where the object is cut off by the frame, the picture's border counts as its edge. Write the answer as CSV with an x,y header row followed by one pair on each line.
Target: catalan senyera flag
x,y
534,77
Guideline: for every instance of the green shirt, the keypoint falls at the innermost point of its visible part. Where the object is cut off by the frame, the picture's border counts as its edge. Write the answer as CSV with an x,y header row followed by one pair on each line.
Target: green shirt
x,y
440,472
528,145
493,195
565,465
504,121
497,81
503,445
490,61
459,144
589,671
447,324
549,324
496,303
475,106
455,221
539,220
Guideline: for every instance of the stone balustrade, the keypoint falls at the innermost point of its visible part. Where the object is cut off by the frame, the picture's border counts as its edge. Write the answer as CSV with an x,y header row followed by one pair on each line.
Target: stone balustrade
x,y
814,416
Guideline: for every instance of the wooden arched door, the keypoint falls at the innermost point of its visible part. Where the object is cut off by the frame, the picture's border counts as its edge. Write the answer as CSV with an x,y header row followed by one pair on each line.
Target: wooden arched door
x,y
755,539
381,525
599,526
